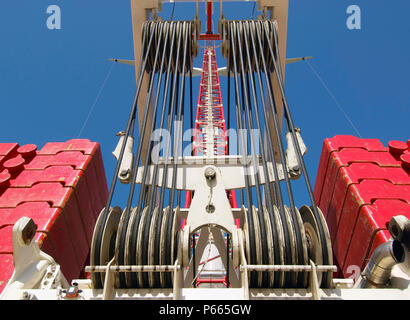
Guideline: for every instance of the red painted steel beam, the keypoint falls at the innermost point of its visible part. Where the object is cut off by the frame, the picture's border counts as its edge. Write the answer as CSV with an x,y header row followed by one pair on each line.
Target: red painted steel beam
x,y
205,36
209,17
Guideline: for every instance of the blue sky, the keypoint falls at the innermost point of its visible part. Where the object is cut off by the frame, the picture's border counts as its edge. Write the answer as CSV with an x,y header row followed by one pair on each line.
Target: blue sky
x,y
49,79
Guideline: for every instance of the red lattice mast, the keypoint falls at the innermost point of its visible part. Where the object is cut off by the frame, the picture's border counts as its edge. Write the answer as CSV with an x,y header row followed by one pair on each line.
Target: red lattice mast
x,y
210,138
210,131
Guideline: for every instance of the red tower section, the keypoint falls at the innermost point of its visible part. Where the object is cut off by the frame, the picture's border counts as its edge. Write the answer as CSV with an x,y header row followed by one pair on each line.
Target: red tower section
x,y
210,137
210,131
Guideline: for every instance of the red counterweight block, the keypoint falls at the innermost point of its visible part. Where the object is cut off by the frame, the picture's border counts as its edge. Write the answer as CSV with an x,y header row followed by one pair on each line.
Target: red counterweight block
x,y
42,214
6,269
87,148
53,193
62,188
354,174
359,195
360,186
61,232
12,161
79,180
6,243
338,143
346,157
75,151
371,230
345,150
7,151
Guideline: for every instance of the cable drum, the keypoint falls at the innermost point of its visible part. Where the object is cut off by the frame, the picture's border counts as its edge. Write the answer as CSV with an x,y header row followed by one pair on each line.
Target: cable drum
x,y
274,234
145,234
242,29
279,234
270,242
141,240
148,32
302,249
309,245
103,243
151,246
315,245
140,247
160,29
119,248
163,243
128,252
280,275
292,280
259,243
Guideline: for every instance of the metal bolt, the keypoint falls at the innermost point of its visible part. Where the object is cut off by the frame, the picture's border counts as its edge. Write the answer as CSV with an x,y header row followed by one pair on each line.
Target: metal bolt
x,y
399,228
25,295
210,208
124,173
210,173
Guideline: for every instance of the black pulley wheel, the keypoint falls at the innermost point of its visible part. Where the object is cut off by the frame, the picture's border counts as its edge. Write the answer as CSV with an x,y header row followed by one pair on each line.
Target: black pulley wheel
x,y
105,244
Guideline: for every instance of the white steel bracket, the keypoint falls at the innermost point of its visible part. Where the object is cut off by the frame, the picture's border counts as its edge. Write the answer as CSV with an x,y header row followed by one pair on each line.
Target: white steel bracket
x,y
293,166
232,174
32,267
125,172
